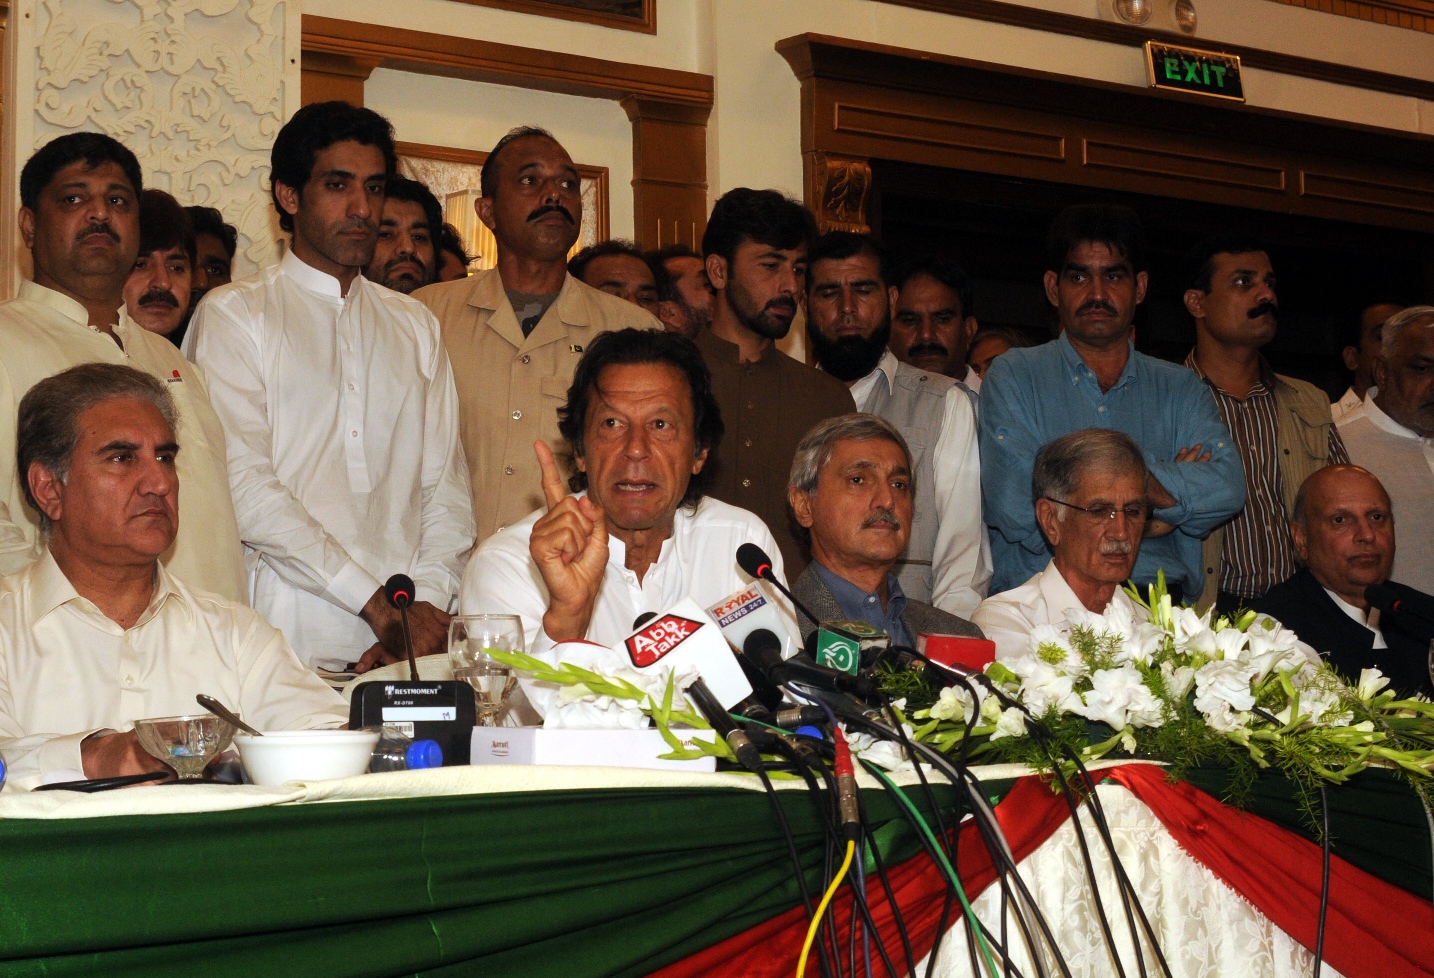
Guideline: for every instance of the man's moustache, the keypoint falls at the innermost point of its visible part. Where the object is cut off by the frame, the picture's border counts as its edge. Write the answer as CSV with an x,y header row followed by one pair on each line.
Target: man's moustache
x,y
1096,305
786,305
552,209
883,517
1111,548
1266,307
101,228
928,349
402,259
160,296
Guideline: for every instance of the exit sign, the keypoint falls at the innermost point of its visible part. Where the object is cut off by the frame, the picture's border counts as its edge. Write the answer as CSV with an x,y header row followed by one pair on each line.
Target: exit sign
x,y
1191,70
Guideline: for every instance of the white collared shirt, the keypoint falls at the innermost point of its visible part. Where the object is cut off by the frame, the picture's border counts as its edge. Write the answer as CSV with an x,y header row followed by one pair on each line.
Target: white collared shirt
x,y
67,671
1345,404
43,332
1007,618
1369,621
344,457
698,561
961,558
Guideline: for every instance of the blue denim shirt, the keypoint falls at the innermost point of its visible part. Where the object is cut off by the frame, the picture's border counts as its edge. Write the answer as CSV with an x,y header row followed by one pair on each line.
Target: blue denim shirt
x,y
857,605
1033,396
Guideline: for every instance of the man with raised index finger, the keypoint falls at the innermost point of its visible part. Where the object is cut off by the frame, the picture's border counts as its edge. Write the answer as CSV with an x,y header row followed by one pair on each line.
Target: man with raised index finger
x,y
632,531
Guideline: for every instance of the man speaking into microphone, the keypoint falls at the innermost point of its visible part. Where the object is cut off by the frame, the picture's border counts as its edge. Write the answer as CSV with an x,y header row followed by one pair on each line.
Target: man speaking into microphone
x,y
1343,532
636,534
851,489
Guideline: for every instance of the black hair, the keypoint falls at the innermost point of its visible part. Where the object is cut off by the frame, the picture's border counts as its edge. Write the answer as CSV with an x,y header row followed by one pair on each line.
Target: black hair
x,y
764,216
943,270
414,192
314,128
163,224
666,281
613,246
839,245
208,220
488,176
624,346
448,239
673,251
1113,225
1199,263
91,148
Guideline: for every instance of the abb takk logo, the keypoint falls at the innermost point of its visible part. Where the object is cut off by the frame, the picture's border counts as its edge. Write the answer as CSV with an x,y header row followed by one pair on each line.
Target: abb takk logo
x,y
659,637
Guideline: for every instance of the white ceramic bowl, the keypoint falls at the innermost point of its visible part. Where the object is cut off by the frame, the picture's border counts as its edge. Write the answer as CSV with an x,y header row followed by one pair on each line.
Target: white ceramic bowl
x,y
282,756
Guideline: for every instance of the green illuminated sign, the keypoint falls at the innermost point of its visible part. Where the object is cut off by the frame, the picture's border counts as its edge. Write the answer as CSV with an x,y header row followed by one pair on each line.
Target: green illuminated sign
x,y
1191,70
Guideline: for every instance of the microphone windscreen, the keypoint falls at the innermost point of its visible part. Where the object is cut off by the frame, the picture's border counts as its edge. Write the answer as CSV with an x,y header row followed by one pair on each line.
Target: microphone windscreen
x,y
399,590
764,648
754,560
643,619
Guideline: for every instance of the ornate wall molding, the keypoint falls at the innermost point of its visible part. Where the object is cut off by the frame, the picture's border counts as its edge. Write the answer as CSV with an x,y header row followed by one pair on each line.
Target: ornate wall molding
x,y
197,88
839,188
1415,15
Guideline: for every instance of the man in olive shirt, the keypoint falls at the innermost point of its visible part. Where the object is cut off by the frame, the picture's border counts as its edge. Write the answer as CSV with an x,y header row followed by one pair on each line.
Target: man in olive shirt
x,y
515,333
755,249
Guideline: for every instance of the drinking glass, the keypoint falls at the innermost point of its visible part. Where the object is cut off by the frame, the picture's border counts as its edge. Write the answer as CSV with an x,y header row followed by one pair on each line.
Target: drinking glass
x,y
186,743
470,639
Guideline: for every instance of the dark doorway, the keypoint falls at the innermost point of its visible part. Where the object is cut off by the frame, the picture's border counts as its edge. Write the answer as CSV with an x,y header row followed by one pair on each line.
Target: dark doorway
x,y
996,226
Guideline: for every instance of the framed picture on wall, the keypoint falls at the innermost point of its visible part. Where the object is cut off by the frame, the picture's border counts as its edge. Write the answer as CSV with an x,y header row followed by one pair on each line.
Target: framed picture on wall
x,y
627,15
453,176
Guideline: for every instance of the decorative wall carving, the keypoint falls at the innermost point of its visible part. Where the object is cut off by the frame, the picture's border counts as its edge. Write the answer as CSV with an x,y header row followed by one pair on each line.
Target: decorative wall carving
x,y
197,88
839,189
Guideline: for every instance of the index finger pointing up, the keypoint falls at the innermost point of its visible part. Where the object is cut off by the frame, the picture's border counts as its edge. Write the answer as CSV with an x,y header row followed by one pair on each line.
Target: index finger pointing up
x,y
554,489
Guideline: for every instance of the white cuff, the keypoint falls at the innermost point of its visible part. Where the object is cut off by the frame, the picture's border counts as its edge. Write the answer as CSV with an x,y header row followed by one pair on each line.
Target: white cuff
x,y
351,587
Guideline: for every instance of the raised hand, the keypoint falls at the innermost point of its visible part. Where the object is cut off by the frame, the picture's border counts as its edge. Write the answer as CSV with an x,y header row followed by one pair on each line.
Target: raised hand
x,y
569,545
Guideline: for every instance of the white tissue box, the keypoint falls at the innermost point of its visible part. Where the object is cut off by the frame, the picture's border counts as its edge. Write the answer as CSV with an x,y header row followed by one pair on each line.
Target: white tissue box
x,y
582,748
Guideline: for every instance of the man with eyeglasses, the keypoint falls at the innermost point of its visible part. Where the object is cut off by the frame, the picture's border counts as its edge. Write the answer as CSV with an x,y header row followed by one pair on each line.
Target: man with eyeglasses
x,y
1091,494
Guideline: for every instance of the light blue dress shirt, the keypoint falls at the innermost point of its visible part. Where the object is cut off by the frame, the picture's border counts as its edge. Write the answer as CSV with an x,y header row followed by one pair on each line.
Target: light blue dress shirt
x,y
857,605
1030,397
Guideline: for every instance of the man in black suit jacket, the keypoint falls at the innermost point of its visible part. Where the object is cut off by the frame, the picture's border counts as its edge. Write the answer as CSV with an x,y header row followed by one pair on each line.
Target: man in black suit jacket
x,y
851,490
1343,531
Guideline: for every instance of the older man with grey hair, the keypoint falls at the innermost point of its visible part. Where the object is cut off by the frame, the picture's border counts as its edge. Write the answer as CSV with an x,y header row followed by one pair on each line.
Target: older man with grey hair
x,y
851,488
1392,435
96,633
1091,493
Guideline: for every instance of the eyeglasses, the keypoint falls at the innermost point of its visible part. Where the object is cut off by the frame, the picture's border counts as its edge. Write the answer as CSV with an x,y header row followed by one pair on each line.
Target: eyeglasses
x,y
1133,512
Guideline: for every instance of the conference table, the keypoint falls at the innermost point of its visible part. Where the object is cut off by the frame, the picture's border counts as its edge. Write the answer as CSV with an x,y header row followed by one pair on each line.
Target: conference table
x,y
573,872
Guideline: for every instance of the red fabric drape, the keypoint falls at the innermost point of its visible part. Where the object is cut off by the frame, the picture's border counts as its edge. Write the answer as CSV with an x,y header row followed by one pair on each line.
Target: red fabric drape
x,y
1373,929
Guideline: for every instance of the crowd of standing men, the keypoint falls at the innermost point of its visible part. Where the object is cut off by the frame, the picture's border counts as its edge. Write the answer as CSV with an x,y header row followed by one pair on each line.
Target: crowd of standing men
x,y
520,439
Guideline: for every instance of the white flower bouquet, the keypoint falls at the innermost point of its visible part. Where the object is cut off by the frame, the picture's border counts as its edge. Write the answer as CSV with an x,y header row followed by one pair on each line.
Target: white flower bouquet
x,y
1152,680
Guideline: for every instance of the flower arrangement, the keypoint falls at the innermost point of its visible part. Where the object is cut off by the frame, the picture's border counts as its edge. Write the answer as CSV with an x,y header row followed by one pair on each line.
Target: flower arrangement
x,y
1152,680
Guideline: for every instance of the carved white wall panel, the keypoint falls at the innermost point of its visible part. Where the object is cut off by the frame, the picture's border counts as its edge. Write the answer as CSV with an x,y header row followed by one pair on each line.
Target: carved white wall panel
x,y
197,88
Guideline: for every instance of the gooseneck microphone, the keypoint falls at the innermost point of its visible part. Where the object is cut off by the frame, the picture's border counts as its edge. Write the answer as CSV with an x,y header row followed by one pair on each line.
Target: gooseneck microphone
x,y
764,650
754,560
1388,601
399,591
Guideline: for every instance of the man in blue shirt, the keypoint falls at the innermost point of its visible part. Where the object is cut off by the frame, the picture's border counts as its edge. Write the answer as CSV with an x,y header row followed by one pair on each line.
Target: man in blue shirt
x,y
1091,377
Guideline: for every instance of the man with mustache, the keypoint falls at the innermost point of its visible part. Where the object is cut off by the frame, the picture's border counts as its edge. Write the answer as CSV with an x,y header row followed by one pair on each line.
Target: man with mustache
x,y
1092,377
1090,492
79,216
1366,331
851,490
931,321
947,561
515,332
1392,435
338,402
156,293
685,295
755,248
1281,426
1343,528
404,258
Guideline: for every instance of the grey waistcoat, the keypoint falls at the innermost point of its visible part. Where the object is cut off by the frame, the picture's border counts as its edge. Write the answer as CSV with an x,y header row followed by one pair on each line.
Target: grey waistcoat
x,y
915,403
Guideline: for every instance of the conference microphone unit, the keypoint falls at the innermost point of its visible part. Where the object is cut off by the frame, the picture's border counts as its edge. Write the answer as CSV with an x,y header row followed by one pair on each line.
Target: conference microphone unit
x,y
754,560
399,591
1388,601
763,649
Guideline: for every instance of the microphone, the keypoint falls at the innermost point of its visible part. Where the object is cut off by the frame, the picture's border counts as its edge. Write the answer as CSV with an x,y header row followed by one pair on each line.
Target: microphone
x,y
399,591
763,649
744,611
754,560
684,637
707,704
1387,600
643,619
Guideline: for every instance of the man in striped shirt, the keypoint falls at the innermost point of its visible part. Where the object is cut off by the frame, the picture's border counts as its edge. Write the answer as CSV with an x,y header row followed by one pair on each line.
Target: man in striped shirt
x,y
1281,426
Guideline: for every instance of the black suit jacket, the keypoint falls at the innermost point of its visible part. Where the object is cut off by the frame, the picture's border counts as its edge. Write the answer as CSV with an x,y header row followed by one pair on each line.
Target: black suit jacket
x,y
1302,605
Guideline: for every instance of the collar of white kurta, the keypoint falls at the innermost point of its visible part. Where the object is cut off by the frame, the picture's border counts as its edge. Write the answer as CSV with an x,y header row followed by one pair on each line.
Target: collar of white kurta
x,y
310,278
51,589
1060,597
72,311
1384,422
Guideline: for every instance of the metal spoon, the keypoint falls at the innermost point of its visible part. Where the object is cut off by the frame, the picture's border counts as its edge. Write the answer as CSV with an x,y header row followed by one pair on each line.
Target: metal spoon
x,y
223,713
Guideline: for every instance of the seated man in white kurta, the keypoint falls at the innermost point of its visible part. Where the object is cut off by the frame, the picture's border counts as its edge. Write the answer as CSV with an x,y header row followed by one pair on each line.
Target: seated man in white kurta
x,y
1090,491
96,634
638,535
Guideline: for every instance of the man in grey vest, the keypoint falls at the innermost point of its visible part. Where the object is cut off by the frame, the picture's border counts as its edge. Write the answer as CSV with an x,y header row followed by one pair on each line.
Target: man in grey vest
x,y
947,561
851,490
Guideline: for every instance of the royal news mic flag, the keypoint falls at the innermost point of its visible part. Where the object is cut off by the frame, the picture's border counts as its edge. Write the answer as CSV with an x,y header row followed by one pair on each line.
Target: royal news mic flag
x,y
744,611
